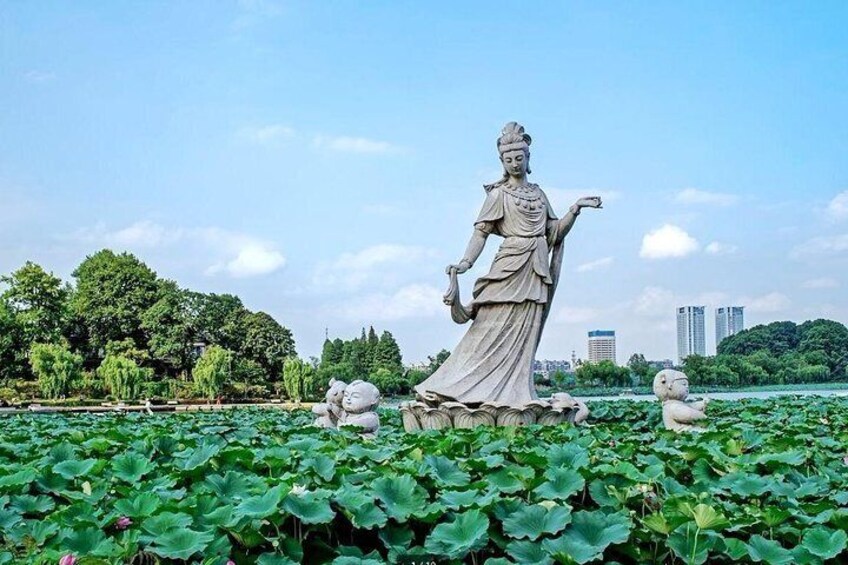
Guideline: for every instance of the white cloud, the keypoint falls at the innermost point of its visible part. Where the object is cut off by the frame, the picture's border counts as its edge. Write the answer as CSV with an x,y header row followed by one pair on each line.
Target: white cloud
x,y
595,265
267,133
695,196
717,248
351,271
824,282
666,242
837,209
823,245
575,315
766,304
253,259
236,254
411,301
354,144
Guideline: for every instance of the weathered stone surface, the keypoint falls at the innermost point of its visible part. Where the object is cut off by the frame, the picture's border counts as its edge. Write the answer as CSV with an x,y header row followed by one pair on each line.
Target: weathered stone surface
x,y
351,405
672,388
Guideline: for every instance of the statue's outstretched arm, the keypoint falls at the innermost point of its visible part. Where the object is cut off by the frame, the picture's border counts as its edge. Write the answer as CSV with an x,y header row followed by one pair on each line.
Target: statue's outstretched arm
x,y
564,224
686,414
472,252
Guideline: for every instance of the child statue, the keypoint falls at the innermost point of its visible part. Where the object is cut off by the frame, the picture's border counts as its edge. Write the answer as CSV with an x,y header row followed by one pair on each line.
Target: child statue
x,y
330,412
359,405
672,388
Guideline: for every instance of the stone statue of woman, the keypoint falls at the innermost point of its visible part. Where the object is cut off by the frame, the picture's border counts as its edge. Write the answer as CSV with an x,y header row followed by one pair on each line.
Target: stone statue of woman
x,y
494,360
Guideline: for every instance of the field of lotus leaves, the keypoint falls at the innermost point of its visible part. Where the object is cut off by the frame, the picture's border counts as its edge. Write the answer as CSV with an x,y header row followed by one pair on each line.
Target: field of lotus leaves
x,y
767,482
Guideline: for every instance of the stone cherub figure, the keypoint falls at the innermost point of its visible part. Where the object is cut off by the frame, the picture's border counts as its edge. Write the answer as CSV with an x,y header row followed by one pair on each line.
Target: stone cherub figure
x,y
330,412
359,404
672,388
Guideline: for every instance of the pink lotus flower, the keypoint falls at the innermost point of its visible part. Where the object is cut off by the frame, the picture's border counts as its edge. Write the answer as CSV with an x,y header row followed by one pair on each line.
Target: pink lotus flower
x,y
123,523
231,562
68,560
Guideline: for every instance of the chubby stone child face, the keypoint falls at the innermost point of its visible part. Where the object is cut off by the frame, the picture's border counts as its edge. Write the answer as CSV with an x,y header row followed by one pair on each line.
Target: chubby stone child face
x,y
360,397
678,389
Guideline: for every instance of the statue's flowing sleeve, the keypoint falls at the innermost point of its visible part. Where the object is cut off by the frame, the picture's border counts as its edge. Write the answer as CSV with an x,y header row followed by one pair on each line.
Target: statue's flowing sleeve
x,y
553,222
491,212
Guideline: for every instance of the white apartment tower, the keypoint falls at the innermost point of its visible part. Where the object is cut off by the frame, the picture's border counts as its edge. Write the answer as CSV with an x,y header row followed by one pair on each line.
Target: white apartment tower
x,y
729,320
691,333
601,346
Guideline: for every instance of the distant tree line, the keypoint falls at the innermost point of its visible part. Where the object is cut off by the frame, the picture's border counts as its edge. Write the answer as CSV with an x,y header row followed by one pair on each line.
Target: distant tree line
x,y
120,330
374,359
775,354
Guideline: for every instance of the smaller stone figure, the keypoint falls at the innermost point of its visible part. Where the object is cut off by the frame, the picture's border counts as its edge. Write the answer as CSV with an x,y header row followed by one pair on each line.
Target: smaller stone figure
x,y
579,410
359,405
330,412
672,388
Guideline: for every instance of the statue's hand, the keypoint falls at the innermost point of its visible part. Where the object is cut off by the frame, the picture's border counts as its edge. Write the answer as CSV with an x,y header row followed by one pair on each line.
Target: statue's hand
x,y
590,202
460,267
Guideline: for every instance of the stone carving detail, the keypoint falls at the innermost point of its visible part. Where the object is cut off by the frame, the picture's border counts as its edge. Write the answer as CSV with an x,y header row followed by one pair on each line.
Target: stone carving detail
x,y
551,412
672,388
329,412
579,412
353,405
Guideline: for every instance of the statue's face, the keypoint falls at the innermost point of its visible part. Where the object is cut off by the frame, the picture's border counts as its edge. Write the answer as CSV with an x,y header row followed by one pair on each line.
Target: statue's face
x,y
515,163
679,389
358,398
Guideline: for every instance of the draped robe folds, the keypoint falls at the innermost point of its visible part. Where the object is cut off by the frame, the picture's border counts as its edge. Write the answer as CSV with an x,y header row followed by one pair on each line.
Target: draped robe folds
x,y
494,360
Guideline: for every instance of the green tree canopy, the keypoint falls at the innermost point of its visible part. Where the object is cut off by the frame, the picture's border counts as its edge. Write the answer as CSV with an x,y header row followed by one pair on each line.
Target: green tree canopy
x,y
58,370
212,371
122,377
113,291
266,342
38,300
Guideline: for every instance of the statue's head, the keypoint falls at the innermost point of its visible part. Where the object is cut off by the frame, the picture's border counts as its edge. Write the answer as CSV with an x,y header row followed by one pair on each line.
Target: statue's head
x,y
514,149
335,393
671,385
360,397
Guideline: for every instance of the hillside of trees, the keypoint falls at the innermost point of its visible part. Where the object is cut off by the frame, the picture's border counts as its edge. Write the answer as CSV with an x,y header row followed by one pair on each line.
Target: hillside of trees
x,y
776,354
118,329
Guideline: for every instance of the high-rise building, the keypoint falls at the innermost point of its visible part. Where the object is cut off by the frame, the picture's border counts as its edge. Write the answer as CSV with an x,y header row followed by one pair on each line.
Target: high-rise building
x,y
729,320
691,333
601,346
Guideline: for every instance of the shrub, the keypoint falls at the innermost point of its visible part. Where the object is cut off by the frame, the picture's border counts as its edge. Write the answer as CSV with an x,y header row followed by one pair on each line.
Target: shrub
x,y
212,370
122,377
388,382
56,368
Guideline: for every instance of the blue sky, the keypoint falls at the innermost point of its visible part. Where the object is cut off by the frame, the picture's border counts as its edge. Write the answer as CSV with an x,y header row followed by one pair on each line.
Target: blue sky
x,y
325,160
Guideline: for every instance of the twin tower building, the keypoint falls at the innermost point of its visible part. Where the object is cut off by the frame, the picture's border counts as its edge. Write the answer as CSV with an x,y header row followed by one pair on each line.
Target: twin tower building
x,y
691,328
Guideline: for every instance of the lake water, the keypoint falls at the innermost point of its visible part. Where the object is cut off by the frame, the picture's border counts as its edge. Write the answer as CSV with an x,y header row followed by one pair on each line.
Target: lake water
x,y
728,395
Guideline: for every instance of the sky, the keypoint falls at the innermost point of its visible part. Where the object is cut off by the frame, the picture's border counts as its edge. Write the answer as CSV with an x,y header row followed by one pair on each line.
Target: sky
x,y
325,160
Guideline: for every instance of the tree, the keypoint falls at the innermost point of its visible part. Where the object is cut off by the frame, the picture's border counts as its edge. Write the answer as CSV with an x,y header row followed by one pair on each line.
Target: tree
x,y
437,360
112,294
170,325
57,368
640,367
355,355
219,319
371,348
266,342
332,352
212,370
39,302
12,348
388,382
828,337
604,373
387,354
777,338
298,379
122,377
